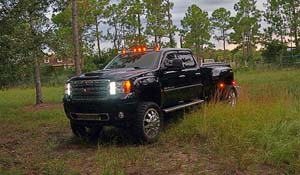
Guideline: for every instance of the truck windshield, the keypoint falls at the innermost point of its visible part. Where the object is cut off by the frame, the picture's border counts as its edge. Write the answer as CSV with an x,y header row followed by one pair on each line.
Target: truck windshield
x,y
148,60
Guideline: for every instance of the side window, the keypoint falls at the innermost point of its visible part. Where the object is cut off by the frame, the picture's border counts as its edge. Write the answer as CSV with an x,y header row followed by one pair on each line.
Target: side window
x,y
168,60
187,60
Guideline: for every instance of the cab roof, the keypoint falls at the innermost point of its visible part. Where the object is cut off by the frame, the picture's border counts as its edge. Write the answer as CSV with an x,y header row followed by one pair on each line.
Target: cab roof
x,y
175,49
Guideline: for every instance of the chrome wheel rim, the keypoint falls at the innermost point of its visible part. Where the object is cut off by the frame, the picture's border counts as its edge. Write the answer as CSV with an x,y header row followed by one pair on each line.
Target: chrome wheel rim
x,y
232,99
151,123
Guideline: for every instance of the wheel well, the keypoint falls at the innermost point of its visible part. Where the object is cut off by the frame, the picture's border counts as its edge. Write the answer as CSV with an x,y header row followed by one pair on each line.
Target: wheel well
x,y
151,96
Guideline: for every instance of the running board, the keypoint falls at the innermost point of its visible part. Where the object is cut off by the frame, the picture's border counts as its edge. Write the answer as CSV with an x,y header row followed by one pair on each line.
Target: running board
x,y
178,107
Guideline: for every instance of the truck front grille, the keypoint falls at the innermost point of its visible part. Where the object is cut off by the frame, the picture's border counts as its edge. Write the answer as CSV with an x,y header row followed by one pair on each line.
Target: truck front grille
x,y
89,89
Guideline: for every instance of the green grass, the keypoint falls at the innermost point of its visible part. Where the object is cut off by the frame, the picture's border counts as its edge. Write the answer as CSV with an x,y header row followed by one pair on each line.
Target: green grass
x,y
263,129
259,136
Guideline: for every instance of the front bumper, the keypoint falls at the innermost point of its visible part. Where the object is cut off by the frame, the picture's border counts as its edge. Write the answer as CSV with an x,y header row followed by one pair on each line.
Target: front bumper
x,y
108,111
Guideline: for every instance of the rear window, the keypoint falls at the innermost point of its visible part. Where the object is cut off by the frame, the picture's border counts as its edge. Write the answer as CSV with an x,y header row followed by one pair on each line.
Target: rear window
x,y
187,60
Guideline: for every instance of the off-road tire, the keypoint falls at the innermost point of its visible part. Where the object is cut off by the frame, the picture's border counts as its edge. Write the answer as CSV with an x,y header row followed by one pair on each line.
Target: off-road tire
x,y
148,115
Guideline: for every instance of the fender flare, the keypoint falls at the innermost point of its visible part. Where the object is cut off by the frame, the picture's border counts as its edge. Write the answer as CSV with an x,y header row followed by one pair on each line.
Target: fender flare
x,y
148,88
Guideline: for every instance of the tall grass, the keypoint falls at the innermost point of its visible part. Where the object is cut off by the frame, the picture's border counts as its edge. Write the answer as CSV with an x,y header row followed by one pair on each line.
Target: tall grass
x,y
262,133
264,129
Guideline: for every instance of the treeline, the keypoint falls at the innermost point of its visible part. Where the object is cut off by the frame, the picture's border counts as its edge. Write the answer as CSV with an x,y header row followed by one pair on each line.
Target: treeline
x,y
31,29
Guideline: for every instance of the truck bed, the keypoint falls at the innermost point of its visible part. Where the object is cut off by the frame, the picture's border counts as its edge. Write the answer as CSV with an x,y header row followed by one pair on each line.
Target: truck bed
x,y
216,72
218,64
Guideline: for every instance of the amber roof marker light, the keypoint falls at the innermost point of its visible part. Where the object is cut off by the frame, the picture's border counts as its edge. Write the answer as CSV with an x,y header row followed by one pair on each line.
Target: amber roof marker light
x,y
157,48
139,49
123,51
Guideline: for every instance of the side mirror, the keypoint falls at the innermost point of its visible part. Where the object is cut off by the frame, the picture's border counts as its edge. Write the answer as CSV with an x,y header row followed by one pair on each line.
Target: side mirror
x,y
176,65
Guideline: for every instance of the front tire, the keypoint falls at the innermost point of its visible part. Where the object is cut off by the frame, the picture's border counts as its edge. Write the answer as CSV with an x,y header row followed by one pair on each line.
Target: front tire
x,y
148,123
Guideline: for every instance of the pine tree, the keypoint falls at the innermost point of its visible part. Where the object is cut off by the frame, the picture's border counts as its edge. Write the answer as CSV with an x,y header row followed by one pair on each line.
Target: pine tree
x,y
76,38
246,25
221,24
156,20
196,29
171,29
291,11
115,20
133,30
25,25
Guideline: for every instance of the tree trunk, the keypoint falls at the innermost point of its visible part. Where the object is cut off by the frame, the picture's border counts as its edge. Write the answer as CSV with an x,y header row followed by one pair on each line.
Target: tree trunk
x,y
115,37
250,47
244,53
282,51
36,73
139,29
98,37
172,42
37,83
76,37
181,41
82,61
295,26
202,53
296,39
224,46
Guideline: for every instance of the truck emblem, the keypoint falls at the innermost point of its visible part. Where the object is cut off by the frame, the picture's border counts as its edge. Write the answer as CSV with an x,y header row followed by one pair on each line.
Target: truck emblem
x,y
84,90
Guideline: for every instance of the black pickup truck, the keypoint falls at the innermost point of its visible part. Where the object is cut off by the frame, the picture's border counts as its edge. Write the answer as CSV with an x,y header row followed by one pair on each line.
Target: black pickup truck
x,y
138,87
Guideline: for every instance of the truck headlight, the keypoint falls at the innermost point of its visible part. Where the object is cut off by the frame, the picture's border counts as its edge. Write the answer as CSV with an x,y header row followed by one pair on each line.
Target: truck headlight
x,y
112,88
68,89
119,87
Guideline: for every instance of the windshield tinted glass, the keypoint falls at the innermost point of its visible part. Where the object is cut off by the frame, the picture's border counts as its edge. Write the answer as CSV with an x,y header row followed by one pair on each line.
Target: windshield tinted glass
x,y
149,60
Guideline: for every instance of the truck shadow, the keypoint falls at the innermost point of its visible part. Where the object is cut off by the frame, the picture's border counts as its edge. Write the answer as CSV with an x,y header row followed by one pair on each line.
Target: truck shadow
x,y
174,118
109,136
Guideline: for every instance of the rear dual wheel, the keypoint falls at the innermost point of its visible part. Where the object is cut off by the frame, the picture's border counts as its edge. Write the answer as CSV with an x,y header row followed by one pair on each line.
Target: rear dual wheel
x,y
232,97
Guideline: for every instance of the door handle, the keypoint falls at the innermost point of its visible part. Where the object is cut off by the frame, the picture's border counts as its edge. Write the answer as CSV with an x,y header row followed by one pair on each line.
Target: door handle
x,y
198,73
181,76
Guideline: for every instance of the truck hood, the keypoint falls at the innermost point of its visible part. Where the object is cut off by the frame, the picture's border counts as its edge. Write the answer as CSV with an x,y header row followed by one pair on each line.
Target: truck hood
x,y
114,74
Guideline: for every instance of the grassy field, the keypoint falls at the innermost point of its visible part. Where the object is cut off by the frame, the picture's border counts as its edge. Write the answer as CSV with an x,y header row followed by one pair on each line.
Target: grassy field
x,y
259,136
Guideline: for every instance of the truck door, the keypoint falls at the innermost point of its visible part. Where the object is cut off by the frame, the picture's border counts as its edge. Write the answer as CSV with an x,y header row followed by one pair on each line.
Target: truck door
x,y
193,83
173,82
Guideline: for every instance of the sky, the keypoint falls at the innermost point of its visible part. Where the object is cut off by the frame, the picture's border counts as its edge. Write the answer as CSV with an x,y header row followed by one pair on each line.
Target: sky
x,y
181,6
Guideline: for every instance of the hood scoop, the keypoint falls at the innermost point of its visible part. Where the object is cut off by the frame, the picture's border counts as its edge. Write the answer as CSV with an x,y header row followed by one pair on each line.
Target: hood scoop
x,y
113,74
93,74
109,72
